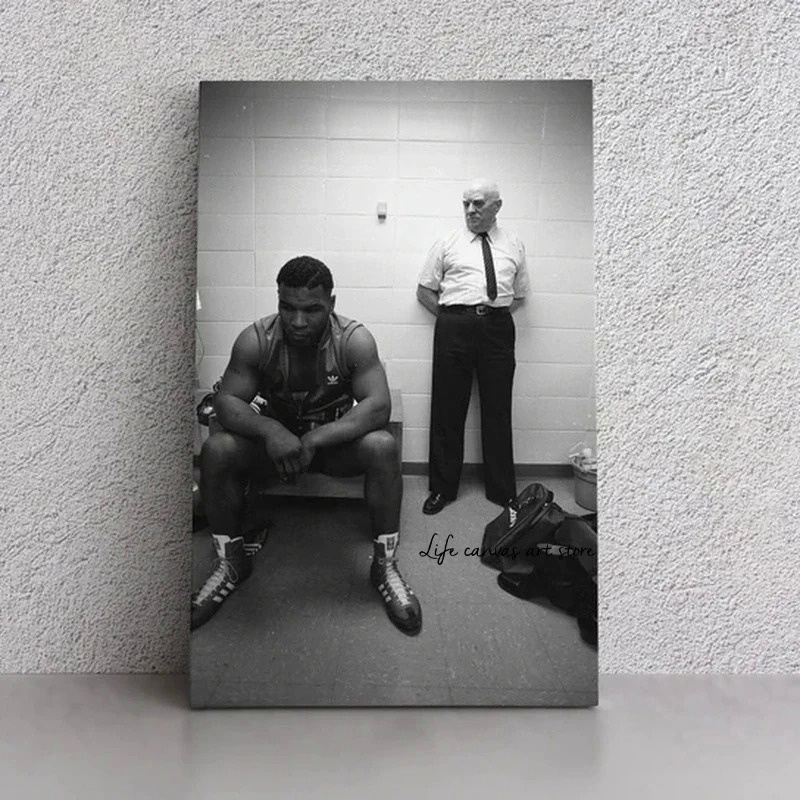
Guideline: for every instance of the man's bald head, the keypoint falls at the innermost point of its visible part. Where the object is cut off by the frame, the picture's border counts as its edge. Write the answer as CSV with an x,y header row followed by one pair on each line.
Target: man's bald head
x,y
484,185
481,204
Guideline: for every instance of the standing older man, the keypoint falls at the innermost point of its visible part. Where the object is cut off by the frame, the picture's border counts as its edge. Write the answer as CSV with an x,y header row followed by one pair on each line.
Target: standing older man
x,y
472,280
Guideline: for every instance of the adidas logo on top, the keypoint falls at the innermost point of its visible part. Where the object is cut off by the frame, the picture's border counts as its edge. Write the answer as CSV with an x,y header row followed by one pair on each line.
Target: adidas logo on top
x,y
332,380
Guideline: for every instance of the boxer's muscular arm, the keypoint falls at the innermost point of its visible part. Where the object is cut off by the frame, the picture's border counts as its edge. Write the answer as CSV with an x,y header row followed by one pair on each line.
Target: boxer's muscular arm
x,y
232,404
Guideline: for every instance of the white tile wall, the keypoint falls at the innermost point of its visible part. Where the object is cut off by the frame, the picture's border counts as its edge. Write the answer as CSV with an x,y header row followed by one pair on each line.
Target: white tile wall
x,y
351,269
557,345
225,115
224,232
565,201
361,120
556,92
269,262
218,337
556,274
507,91
441,121
539,413
571,163
570,239
558,311
360,159
289,117
265,301
225,156
291,168
225,304
413,341
552,380
415,444
284,195
416,410
507,122
217,268
546,447
361,269
385,340
210,370
520,200
280,90
554,414
405,307
220,194
351,232
360,196
439,91
293,156
365,305
509,162
428,198
214,89
433,160
570,123
416,235
566,415
526,229
411,376
300,234
364,90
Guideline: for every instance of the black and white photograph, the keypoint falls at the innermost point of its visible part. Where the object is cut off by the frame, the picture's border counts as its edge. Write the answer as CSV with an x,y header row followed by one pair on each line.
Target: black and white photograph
x,y
395,450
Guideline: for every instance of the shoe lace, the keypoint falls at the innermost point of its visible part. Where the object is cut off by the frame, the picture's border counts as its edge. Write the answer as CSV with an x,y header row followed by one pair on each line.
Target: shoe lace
x,y
397,585
221,569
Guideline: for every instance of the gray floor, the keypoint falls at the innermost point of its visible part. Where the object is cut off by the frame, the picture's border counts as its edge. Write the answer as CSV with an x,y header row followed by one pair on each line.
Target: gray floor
x,y
127,737
307,628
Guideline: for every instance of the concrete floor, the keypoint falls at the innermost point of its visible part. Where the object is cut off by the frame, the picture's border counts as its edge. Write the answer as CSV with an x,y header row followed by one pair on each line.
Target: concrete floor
x,y
307,629
660,737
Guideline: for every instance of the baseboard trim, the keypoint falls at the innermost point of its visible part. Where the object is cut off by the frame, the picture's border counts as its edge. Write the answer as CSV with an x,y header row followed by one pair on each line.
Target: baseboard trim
x,y
522,470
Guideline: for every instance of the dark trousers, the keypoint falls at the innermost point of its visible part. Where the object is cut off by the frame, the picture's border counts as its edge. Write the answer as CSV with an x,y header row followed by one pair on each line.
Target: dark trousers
x,y
464,344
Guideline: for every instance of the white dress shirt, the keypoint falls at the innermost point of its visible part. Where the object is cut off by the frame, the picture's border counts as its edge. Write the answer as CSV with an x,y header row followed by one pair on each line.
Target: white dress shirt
x,y
454,268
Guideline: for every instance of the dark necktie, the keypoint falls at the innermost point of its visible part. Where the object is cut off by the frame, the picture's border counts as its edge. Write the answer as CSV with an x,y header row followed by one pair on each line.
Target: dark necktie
x,y
488,265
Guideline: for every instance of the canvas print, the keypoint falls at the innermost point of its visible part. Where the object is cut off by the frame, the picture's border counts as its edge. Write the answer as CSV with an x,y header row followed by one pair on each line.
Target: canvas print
x,y
395,450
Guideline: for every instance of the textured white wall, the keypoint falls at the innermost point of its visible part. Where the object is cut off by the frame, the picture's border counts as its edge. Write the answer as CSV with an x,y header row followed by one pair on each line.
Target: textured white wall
x,y
299,167
696,201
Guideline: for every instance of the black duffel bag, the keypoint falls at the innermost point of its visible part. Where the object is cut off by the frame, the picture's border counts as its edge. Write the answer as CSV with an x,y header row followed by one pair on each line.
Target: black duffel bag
x,y
529,519
541,550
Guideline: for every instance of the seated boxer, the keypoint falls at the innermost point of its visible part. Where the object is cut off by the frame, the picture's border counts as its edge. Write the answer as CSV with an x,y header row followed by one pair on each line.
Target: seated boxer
x,y
309,364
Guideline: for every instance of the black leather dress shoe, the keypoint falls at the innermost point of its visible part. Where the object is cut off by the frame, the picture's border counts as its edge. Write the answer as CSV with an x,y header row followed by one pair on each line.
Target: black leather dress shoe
x,y
434,504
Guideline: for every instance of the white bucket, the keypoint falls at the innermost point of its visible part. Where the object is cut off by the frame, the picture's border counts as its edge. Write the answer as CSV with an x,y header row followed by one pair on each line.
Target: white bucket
x,y
585,488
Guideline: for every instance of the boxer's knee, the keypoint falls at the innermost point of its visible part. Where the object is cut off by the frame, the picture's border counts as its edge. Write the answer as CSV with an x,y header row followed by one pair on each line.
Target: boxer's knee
x,y
222,452
380,450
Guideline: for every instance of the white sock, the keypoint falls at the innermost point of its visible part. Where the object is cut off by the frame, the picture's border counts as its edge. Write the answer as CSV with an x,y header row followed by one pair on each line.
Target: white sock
x,y
389,541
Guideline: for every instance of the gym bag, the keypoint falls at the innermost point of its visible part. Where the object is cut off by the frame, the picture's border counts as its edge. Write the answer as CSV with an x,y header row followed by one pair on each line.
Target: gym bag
x,y
542,551
530,518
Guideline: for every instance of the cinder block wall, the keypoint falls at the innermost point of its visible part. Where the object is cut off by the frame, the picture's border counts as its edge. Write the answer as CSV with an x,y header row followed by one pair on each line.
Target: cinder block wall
x,y
290,168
